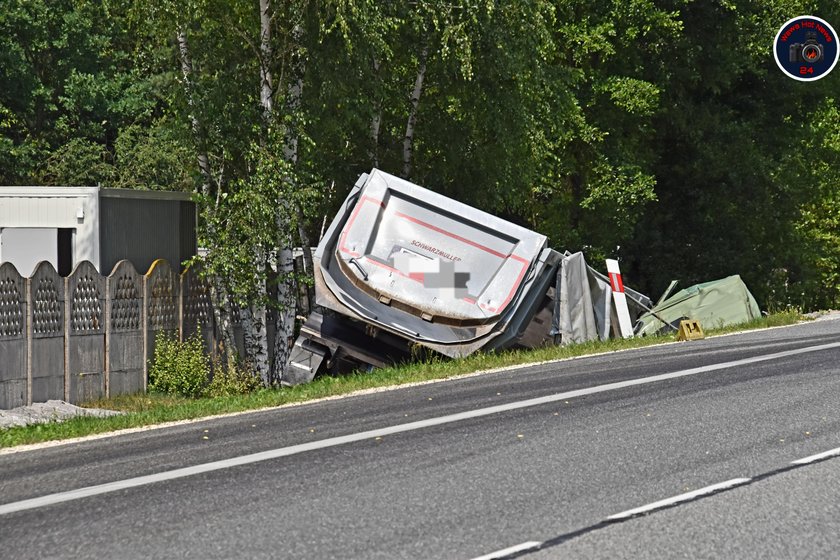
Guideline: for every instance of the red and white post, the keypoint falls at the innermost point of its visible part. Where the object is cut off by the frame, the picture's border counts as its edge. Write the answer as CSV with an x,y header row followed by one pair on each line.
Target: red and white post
x,y
619,298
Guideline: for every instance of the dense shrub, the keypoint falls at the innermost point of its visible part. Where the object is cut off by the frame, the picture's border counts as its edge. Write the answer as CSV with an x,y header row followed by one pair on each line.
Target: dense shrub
x,y
179,368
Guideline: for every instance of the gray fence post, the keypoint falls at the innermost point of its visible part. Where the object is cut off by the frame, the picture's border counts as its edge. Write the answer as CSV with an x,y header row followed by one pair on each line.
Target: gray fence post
x,y
46,314
14,351
160,299
181,335
124,331
145,329
196,310
27,296
84,334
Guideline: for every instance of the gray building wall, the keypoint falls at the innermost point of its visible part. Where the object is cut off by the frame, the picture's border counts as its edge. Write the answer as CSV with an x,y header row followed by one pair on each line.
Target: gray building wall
x,y
68,225
24,210
137,227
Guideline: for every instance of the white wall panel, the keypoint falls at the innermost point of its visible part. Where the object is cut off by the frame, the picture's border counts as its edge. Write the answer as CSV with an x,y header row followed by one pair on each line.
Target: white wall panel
x,y
55,207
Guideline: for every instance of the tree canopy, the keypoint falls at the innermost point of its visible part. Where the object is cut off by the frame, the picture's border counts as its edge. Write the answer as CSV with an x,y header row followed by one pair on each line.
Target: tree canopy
x,y
658,132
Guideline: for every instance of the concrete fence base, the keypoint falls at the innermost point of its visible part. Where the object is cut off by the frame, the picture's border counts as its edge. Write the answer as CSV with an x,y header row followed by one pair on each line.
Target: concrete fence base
x,y
87,336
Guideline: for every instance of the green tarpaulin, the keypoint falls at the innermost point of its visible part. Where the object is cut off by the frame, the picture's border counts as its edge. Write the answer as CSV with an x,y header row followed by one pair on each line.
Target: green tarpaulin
x,y
715,304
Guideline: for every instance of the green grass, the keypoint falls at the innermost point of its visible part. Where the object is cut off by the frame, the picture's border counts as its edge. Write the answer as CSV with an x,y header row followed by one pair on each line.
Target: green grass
x,y
153,408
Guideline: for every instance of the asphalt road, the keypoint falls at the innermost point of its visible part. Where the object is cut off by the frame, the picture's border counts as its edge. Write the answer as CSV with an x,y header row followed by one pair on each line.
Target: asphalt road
x,y
461,469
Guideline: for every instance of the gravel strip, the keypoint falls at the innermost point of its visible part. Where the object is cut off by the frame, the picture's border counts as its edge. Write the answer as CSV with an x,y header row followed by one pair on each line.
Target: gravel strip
x,y
50,411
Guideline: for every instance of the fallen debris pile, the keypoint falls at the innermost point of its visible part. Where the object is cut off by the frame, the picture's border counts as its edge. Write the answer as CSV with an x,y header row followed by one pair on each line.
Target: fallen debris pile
x,y
719,303
50,411
402,269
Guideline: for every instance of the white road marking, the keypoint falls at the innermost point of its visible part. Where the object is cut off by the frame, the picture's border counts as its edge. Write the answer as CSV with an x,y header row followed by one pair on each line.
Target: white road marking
x,y
370,391
99,489
817,457
677,499
508,551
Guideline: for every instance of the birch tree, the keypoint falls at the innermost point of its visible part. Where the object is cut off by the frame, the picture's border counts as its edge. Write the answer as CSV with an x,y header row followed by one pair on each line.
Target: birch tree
x,y
445,30
286,287
255,316
414,103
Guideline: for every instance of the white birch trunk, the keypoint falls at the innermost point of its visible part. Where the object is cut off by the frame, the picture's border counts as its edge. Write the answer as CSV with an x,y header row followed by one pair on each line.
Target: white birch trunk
x,y
255,316
266,85
255,339
286,288
286,299
197,129
255,323
376,120
408,141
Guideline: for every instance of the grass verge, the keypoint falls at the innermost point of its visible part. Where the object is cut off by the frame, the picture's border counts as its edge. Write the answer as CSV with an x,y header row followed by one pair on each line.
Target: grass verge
x,y
149,409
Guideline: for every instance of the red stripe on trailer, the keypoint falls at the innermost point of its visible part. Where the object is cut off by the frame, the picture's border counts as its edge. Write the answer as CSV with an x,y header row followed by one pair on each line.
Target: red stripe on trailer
x,y
358,207
615,282
418,277
454,236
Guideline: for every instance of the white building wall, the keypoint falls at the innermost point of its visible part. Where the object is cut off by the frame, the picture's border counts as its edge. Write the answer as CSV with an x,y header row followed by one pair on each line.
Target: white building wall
x,y
26,247
76,208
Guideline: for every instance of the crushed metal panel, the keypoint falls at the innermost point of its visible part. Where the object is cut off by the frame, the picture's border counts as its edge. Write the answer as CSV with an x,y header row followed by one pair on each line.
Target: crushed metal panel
x,y
584,307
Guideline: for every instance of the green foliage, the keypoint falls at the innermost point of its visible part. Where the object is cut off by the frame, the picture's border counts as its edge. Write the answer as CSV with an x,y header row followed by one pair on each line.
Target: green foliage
x,y
183,369
229,381
179,368
621,190
818,157
598,123
80,162
155,157
73,77
739,149
244,221
636,97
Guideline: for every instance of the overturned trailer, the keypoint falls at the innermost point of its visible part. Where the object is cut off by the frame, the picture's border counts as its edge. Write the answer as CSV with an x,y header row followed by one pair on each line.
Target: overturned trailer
x,y
402,268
